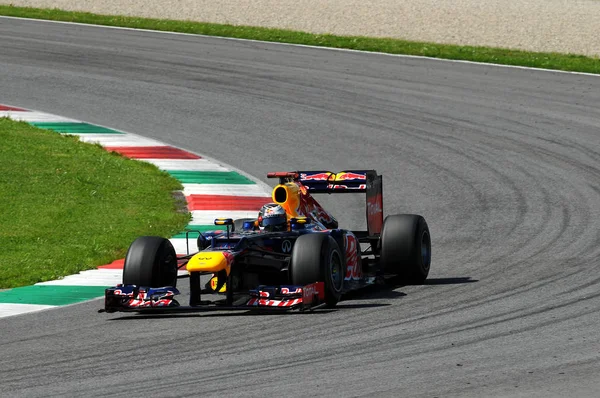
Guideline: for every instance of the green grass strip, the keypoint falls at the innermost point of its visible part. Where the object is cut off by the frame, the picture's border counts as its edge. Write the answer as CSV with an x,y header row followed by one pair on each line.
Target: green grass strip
x,y
50,294
210,177
68,206
74,128
557,61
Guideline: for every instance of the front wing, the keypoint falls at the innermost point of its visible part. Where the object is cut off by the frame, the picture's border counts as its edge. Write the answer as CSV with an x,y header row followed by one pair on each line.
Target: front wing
x,y
132,298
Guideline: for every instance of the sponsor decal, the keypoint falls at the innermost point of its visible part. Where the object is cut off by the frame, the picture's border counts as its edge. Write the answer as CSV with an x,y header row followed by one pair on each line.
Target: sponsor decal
x,y
145,299
374,214
374,207
361,187
328,176
353,265
310,208
287,290
119,292
316,176
261,302
309,292
343,176
214,283
286,246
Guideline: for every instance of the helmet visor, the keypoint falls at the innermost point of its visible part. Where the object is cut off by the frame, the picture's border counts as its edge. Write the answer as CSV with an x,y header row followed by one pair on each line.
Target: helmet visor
x,y
276,220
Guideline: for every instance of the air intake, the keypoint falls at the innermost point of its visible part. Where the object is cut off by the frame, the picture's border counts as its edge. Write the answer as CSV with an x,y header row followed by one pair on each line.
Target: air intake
x,y
280,194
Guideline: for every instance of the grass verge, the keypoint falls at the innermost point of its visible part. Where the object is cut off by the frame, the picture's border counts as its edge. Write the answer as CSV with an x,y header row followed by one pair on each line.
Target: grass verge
x,y
566,62
68,206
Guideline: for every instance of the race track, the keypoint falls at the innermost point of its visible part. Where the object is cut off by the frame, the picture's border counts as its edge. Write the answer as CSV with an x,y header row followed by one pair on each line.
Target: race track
x,y
502,162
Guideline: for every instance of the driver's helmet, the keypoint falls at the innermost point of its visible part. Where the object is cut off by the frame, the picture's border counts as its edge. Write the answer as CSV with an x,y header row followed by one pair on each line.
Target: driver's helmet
x,y
272,217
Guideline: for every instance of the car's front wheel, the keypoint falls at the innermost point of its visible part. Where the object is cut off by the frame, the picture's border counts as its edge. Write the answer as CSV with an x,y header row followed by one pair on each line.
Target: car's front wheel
x,y
151,261
316,257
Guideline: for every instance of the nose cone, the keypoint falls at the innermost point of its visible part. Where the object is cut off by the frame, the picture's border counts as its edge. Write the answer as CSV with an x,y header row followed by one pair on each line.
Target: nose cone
x,y
209,262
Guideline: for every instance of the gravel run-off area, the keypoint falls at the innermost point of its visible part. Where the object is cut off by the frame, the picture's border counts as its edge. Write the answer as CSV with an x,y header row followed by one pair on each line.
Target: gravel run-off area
x,y
566,26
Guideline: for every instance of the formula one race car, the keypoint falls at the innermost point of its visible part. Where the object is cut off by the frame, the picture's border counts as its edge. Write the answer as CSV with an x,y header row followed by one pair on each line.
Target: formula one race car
x,y
308,264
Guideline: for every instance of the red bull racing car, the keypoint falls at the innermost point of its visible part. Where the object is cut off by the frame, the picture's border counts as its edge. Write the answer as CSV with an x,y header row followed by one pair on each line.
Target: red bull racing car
x,y
307,264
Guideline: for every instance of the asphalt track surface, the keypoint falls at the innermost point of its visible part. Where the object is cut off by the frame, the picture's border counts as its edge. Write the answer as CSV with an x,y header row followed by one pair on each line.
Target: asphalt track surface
x,y
502,162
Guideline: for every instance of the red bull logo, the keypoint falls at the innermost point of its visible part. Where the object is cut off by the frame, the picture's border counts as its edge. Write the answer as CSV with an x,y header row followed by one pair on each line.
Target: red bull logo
x,y
316,177
348,175
328,176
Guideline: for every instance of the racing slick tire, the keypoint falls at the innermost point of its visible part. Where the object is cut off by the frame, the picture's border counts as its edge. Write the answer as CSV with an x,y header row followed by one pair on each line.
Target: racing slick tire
x,y
406,248
151,262
316,257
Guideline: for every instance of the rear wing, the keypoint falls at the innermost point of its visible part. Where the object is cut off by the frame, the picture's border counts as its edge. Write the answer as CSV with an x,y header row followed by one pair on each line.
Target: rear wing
x,y
348,181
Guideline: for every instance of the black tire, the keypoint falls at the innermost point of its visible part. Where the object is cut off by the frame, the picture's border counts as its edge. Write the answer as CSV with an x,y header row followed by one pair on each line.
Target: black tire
x,y
151,261
316,257
406,247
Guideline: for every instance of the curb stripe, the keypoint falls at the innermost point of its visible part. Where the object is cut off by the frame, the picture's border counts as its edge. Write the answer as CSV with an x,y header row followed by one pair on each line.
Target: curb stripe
x,y
207,217
181,246
29,116
186,165
102,277
51,295
192,234
222,202
118,140
224,189
10,309
10,108
210,177
212,190
117,264
155,152
75,128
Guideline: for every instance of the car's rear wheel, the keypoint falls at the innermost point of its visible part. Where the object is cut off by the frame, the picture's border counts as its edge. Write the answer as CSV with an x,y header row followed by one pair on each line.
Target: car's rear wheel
x,y
151,261
316,257
406,247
